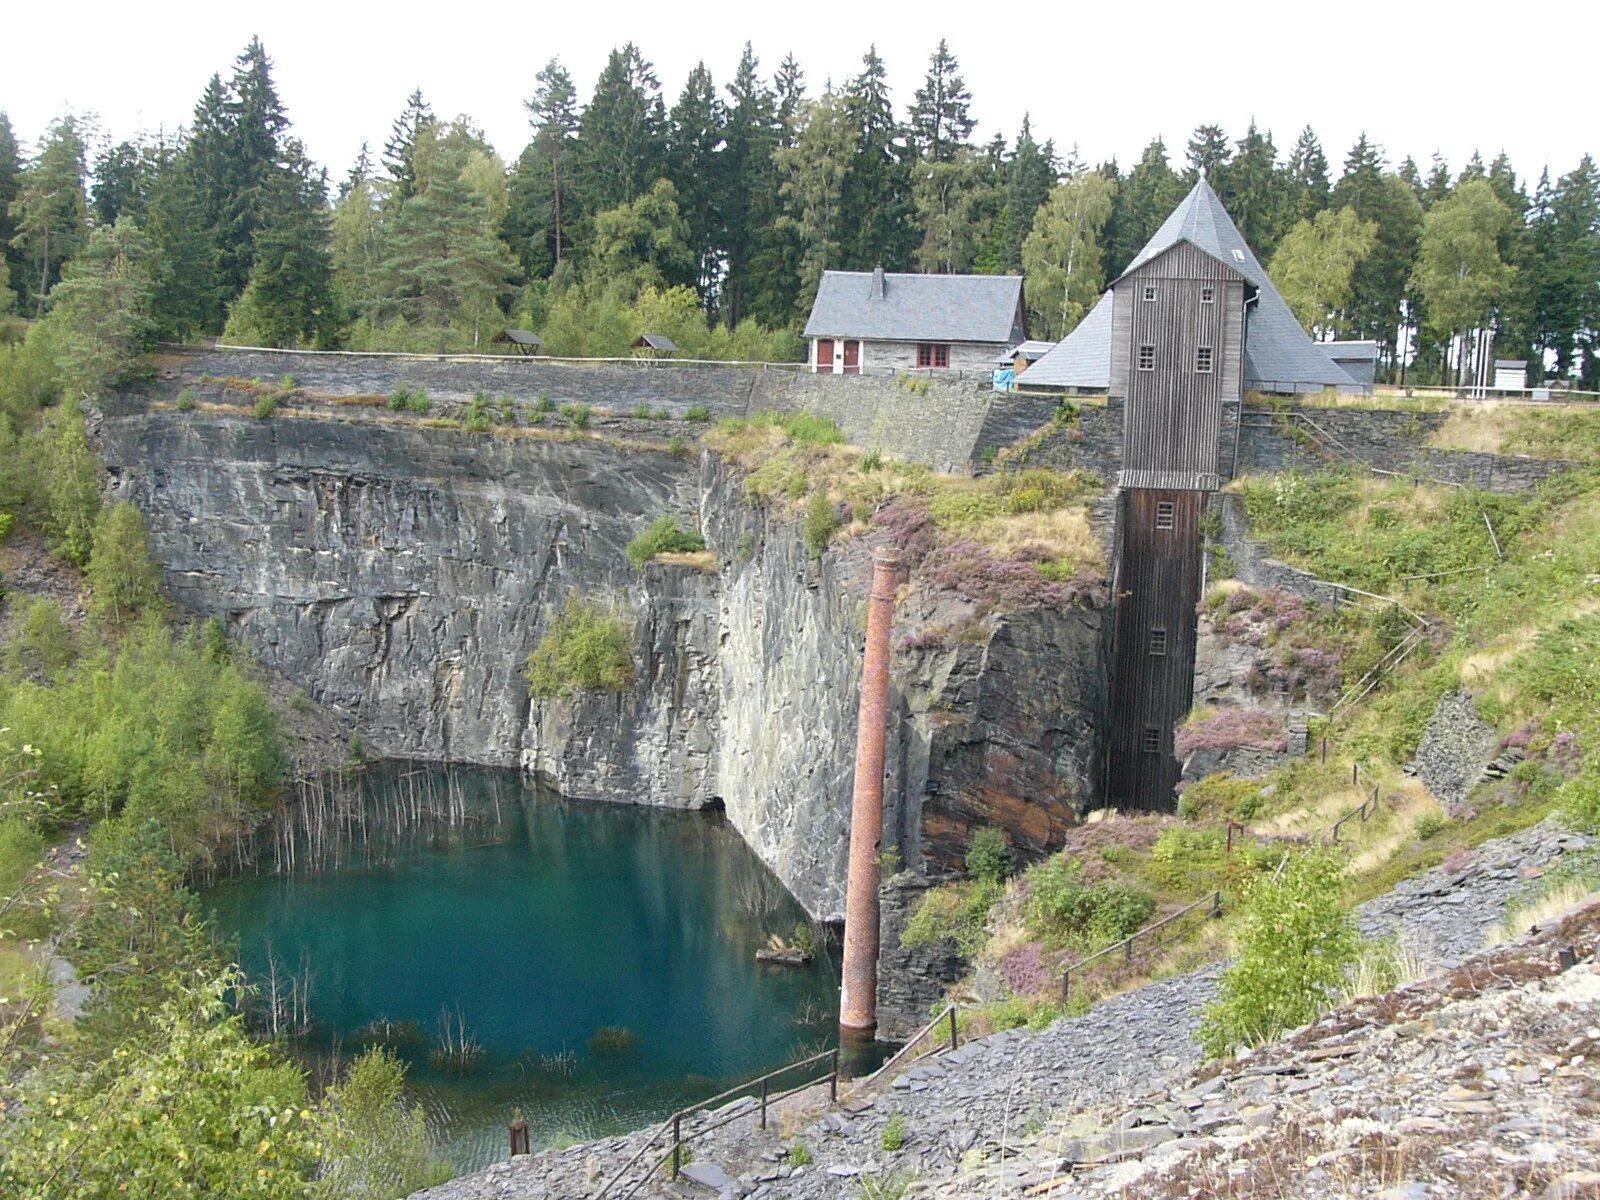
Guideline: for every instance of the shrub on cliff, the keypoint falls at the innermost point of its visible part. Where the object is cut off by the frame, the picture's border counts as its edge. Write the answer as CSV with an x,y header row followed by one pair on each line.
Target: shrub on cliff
x,y
988,855
663,536
586,649
1293,949
822,520
1063,909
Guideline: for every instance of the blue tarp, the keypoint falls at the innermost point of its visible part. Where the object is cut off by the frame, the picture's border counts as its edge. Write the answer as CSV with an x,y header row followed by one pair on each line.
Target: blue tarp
x,y
1005,378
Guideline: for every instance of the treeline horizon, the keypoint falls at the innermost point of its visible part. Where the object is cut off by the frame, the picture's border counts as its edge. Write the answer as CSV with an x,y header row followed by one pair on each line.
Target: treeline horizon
x,y
711,217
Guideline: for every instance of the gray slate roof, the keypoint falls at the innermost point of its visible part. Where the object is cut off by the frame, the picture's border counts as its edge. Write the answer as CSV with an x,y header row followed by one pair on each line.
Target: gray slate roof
x,y
1278,356
1031,350
654,341
1350,351
917,308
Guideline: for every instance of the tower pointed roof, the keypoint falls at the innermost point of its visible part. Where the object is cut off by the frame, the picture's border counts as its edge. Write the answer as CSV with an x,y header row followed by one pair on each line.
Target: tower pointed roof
x,y
1278,356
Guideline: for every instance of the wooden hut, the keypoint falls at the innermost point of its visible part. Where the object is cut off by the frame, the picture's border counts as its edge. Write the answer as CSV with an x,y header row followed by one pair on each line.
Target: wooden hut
x,y
521,340
654,345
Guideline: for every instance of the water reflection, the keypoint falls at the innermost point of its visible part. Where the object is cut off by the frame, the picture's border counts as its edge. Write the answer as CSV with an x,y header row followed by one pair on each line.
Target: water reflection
x,y
492,935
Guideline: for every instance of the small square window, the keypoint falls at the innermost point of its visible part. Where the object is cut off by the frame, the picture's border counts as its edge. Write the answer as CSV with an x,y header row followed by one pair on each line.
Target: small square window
x,y
1149,294
1147,358
1202,359
1152,739
1208,295
1158,643
1166,514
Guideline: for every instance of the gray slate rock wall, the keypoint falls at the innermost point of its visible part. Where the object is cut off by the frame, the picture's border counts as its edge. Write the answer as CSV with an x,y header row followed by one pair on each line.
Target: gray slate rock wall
x,y
1456,748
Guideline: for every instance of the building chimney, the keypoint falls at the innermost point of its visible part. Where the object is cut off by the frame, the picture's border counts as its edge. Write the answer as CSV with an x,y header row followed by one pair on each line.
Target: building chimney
x,y
877,284
858,995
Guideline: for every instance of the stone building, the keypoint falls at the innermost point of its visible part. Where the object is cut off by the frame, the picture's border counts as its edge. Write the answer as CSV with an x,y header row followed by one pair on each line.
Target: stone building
x,y
879,323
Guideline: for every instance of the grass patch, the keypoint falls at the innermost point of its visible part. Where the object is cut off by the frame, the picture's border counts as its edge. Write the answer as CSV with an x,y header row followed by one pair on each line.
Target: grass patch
x,y
953,910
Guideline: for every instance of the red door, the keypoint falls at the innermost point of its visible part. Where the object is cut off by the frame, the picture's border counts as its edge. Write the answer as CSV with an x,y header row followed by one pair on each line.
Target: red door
x,y
825,356
852,358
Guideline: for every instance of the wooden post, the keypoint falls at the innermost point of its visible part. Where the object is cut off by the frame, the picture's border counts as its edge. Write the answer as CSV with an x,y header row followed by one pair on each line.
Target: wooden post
x,y
1216,903
952,1027
677,1142
1066,982
833,1079
763,1102
518,1130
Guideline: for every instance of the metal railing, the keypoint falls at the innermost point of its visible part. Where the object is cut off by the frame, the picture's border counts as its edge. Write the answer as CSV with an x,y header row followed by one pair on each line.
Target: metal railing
x,y
672,1127
1126,944
1361,779
946,1020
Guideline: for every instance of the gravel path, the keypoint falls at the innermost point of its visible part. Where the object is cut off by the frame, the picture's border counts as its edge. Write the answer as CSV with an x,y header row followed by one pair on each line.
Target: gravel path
x,y
996,1090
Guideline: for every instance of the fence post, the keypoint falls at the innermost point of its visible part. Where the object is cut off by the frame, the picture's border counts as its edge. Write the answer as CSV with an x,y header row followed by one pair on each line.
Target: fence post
x,y
1216,903
1127,948
763,1102
1066,981
677,1142
833,1078
952,1027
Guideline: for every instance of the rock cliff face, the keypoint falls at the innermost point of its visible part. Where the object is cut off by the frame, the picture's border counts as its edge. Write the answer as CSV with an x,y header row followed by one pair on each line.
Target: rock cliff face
x,y
402,575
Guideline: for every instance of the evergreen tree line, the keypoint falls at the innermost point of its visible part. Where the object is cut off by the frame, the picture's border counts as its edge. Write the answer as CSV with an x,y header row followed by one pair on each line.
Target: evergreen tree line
x,y
717,215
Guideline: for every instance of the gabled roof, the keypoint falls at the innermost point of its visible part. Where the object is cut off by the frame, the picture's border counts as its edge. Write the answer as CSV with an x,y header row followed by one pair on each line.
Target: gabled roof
x,y
517,337
1278,356
1031,350
917,308
655,341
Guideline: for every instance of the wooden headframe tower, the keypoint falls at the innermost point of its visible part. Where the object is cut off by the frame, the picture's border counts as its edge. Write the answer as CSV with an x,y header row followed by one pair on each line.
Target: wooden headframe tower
x,y
1177,361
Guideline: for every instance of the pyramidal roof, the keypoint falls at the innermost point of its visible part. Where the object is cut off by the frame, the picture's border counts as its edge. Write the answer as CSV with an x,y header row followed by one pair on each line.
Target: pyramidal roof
x,y
1278,356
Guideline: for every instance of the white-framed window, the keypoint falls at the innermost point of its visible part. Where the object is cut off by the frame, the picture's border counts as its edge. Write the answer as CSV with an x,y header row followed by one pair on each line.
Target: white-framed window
x,y
1208,295
1158,643
1149,293
1147,358
1166,514
1202,360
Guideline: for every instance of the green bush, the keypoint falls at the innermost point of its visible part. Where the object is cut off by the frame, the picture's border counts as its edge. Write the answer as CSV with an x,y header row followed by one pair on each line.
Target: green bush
x,y
697,412
400,400
1579,797
822,520
477,418
376,1141
800,1155
121,576
187,401
288,383
585,649
989,855
663,536
40,643
642,410
1294,945
676,448
1430,824
544,404
21,850
663,414
953,910
508,411
872,460
1062,909
265,406
578,416
419,402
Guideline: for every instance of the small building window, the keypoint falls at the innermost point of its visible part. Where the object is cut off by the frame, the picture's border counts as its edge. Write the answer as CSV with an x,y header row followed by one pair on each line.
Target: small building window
x,y
1158,643
1152,739
933,354
1147,358
1202,359
1149,293
1166,514
1208,295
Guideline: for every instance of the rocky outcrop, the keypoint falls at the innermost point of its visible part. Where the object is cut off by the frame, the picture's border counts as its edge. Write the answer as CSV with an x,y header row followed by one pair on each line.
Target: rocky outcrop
x,y
401,574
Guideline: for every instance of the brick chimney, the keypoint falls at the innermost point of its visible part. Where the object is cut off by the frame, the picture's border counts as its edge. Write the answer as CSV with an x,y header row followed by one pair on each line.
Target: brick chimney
x,y
858,996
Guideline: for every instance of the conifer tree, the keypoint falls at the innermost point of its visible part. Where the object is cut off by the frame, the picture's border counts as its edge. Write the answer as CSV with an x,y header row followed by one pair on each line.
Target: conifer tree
x,y
815,173
290,298
694,165
50,212
1150,191
399,152
621,135
1382,277
1208,153
188,297
253,151
875,202
100,311
941,115
760,280
122,178
11,265
1255,193
541,214
1308,176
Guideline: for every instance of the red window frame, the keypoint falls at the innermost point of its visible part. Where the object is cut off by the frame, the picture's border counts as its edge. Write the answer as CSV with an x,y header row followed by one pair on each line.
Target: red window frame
x,y
934,355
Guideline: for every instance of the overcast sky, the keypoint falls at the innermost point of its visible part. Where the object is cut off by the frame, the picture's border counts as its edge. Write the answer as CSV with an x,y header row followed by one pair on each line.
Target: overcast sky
x,y
1447,77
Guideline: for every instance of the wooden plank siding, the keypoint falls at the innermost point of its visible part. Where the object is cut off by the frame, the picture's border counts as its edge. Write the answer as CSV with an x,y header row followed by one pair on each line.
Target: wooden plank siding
x,y
1158,588
1173,412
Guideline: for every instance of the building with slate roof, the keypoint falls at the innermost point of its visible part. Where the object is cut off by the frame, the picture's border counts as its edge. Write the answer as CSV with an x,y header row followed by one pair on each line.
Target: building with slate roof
x,y
879,323
1278,356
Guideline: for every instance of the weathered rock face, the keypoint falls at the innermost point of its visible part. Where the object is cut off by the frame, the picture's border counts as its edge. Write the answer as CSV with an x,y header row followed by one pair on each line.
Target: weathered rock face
x,y
1456,748
402,575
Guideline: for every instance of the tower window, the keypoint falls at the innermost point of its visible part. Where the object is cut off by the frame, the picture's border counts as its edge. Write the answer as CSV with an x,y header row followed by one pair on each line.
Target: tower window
x,y
1147,358
1152,739
1166,514
1208,295
1149,294
1158,643
1202,359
